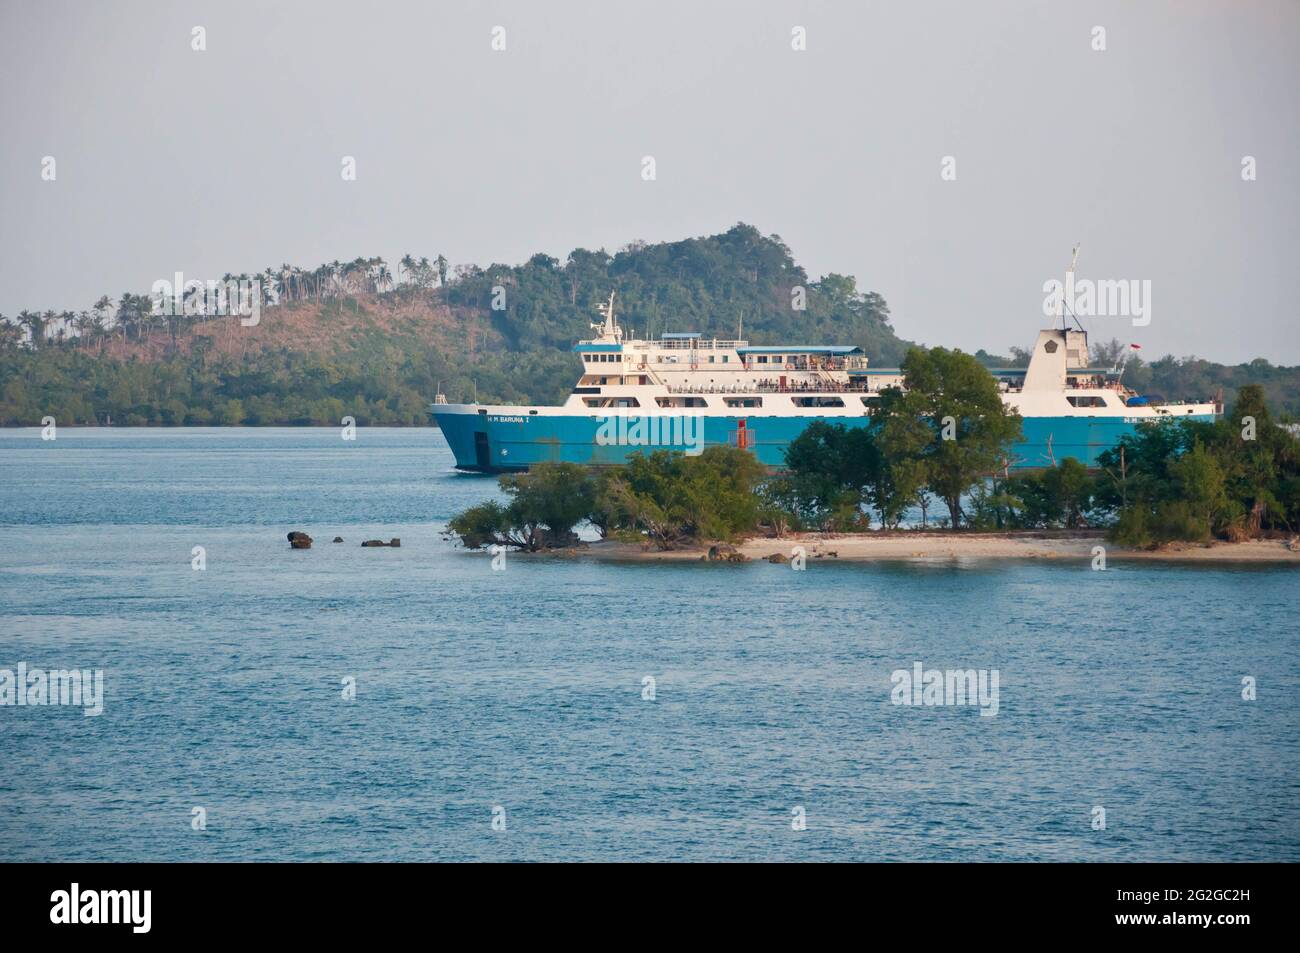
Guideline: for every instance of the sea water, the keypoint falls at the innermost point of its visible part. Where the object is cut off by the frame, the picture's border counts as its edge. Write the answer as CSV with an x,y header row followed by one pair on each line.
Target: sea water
x,y
349,703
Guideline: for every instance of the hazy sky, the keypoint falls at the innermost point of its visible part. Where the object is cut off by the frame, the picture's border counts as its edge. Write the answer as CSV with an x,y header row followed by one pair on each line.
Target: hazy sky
x,y
229,159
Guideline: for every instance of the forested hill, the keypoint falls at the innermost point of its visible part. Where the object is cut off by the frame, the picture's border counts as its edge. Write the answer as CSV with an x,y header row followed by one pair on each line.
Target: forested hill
x,y
354,338
358,338
708,285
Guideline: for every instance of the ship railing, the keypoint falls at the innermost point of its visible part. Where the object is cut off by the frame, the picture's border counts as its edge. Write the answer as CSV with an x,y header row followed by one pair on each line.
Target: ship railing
x,y
808,364
698,344
810,387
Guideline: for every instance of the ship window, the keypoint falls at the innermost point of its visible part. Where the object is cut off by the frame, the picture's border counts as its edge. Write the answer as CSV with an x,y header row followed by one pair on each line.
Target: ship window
x,y
710,358
744,401
1086,400
818,402
611,402
762,359
726,358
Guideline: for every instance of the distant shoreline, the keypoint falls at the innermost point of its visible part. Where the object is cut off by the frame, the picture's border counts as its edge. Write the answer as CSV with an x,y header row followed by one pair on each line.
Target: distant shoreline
x,y
937,546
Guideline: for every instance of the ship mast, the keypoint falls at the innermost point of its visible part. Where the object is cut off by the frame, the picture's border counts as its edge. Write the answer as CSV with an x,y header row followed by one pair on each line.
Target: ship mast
x,y
609,327
1068,292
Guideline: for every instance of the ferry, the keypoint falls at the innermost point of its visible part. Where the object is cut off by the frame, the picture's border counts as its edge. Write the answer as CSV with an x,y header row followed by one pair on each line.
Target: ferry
x,y
686,392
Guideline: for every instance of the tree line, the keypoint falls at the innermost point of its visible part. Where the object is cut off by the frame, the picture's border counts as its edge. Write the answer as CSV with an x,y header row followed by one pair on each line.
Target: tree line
x,y
736,282
378,381
140,317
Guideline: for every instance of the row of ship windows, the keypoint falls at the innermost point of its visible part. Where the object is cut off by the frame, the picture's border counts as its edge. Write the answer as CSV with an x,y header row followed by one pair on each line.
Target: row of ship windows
x,y
749,401
672,358
818,400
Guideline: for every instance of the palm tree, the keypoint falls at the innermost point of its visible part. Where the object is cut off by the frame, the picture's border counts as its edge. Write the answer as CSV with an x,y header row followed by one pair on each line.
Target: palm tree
x,y
123,318
98,327
11,335
270,289
354,274
35,326
58,325
84,325
286,282
142,306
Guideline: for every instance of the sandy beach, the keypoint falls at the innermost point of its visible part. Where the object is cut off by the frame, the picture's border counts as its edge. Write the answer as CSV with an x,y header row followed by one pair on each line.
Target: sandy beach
x,y
944,546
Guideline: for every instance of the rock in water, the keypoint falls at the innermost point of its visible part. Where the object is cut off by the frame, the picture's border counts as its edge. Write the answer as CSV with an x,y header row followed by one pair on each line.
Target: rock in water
x,y
338,539
299,540
778,558
394,542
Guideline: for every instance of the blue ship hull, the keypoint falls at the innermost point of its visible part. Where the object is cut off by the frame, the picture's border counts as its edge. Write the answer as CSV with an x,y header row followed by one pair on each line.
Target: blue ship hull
x,y
498,443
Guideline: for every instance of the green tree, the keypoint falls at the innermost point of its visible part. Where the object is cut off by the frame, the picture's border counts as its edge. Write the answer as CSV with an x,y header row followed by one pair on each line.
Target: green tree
x,y
973,431
543,508
902,468
672,498
828,467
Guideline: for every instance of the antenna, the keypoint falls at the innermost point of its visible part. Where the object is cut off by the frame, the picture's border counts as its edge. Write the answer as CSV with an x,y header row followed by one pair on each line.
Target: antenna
x,y
1067,288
